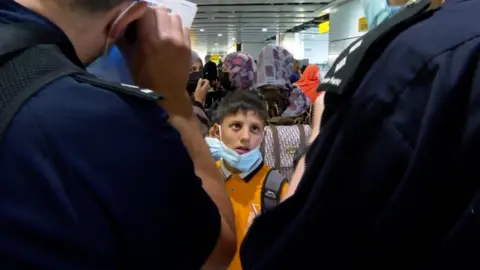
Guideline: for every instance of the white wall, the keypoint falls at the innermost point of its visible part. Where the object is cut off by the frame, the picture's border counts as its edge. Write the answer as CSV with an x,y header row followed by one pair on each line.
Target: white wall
x,y
253,49
315,46
344,27
293,43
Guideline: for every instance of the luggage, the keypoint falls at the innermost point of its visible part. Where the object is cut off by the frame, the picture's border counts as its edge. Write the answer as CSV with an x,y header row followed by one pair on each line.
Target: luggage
x,y
280,145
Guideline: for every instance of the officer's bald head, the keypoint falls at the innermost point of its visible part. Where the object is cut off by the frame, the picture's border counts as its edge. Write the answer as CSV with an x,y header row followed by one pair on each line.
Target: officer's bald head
x,y
93,6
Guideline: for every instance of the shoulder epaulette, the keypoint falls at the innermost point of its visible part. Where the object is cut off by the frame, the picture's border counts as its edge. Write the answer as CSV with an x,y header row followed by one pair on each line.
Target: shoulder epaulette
x,y
126,89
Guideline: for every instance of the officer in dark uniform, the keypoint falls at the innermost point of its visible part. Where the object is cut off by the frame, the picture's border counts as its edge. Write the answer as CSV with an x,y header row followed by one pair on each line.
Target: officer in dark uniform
x,y
102,176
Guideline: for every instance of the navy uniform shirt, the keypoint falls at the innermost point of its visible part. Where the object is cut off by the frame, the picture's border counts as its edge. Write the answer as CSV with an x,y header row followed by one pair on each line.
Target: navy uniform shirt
x,y
393,181
90,179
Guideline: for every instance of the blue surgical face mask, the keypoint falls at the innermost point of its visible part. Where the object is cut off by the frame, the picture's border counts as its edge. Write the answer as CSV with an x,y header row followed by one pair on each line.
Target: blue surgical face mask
x,y
243,163
215,146
377,11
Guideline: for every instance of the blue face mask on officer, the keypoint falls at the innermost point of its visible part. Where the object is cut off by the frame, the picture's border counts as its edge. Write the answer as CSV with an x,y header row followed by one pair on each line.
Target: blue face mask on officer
x,y
377,11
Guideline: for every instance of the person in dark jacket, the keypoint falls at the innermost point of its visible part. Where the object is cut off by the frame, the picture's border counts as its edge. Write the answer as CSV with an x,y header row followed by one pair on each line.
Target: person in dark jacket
x,y
210,70
392,180
92,177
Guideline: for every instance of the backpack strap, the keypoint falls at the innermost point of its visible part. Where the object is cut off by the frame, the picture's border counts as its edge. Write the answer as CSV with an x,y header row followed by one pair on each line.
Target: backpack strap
x,y
28,71
303,136
276,146
23,76
262,148
272,189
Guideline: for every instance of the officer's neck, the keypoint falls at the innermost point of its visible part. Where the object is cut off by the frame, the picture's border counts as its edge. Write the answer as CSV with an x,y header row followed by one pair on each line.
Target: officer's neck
x,y
87,39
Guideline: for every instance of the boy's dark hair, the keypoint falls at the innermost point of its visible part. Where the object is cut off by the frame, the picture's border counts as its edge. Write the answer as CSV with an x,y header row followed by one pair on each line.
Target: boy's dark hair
x,y
95,5
241,100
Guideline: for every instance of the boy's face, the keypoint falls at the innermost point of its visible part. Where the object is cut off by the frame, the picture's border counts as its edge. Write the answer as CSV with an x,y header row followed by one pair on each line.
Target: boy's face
x,y
242,131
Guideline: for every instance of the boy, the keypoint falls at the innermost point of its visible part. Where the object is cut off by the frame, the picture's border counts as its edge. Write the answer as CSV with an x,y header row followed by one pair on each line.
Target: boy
x,y
253,187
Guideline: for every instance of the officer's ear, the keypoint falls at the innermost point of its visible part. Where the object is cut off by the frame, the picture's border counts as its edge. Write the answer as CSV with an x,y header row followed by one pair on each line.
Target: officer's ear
x,y
134,12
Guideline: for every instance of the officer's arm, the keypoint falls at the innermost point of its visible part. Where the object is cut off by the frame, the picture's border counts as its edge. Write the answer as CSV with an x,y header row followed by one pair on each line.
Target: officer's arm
x,y
300,168
212,182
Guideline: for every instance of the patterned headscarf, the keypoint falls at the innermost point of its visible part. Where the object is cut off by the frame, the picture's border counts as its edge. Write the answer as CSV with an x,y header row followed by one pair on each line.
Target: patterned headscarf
x,y
275,65
242,70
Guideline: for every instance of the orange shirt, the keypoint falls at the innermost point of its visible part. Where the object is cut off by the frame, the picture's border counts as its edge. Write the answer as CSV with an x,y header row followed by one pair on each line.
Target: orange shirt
x,y
245,193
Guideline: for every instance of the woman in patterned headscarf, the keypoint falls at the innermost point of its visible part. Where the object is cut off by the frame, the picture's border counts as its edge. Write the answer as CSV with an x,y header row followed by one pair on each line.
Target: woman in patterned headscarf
x,y
239,71
275,65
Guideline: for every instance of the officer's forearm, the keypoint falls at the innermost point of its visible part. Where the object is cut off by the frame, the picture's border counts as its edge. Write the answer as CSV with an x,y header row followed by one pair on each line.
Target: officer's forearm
x,y
212,183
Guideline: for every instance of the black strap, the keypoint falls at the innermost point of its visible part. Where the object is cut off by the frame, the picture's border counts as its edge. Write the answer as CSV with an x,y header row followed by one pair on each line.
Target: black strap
x,y
122,88
22,77
272,189
16,37
35,59
276,147
262,148
303,136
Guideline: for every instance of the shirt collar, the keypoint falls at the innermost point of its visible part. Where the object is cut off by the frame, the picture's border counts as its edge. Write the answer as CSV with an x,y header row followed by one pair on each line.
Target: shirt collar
x,y
246,176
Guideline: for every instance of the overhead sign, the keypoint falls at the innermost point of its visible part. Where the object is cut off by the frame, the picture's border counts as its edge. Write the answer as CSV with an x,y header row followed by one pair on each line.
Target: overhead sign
x,y
362,24
215,58
324,27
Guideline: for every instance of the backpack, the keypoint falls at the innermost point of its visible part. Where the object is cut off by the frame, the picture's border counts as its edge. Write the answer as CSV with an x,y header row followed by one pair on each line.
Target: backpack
x,y
280,145
271,190
277,101
283,135
330,210
30,58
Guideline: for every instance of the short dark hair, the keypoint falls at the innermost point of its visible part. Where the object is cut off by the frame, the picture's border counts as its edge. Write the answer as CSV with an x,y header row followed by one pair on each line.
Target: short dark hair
x,y
241,100
95,5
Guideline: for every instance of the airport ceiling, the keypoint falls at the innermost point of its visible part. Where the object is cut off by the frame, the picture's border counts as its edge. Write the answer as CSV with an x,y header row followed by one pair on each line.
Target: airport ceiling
x,y
221,23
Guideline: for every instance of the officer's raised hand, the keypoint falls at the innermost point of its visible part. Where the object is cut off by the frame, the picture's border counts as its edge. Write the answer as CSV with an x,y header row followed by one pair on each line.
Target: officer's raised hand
x,y
159,59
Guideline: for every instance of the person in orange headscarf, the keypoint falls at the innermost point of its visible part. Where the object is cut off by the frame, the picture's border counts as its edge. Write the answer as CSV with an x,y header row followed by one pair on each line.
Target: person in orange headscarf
x,y
309,82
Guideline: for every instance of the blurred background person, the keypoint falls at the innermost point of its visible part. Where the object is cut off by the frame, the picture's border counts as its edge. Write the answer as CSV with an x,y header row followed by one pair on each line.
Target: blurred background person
x,y
210,71
239,72
309,82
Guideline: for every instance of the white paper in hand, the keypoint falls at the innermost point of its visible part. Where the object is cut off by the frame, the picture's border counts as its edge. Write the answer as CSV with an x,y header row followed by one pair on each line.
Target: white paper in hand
x,y
185,9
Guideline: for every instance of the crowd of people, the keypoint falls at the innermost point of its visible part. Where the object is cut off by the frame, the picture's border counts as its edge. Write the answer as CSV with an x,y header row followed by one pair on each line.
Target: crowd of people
x,y
253,96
